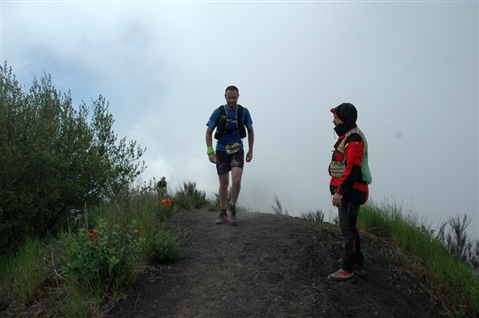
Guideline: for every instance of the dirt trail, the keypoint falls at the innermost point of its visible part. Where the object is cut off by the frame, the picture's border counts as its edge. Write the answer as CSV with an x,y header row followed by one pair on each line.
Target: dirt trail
x,y
270,266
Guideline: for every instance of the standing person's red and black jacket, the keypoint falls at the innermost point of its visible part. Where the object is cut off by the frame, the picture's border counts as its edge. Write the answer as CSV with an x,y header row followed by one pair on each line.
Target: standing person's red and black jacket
x,y
349,173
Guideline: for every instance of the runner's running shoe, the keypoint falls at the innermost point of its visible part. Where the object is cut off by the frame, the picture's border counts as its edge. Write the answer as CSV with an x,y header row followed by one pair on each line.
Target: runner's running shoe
x,y
231,215
221,218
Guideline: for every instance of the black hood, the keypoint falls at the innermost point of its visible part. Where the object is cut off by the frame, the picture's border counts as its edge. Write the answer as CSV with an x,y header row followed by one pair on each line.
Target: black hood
x,y
348,114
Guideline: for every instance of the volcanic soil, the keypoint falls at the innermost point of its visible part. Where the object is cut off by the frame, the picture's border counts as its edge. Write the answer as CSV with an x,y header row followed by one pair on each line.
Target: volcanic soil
x,y
272,265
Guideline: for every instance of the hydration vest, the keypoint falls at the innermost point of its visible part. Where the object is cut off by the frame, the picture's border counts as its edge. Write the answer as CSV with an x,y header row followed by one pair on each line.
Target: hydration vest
x,y
337,167
221,128
161,184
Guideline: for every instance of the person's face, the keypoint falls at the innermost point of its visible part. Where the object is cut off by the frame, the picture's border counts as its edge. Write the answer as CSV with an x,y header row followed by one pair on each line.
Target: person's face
x,y
336,120
231,97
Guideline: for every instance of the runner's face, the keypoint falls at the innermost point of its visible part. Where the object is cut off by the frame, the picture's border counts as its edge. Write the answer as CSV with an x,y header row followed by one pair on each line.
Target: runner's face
x,y
231,98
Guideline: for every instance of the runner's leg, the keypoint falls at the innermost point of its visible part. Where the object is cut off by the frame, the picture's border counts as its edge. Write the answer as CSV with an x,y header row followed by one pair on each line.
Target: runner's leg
x,y
223,167
236,164
223,192
236,175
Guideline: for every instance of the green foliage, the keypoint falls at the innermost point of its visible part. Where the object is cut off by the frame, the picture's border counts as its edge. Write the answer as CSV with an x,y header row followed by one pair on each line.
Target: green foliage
x,y
163,247
188,197
452,279
25,274
452,234
316,216
105,261
85,272
31,271
55,158
329,230
6,268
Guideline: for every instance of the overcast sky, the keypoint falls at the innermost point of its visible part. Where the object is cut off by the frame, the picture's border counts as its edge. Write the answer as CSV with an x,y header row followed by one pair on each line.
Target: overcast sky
x,y
410,68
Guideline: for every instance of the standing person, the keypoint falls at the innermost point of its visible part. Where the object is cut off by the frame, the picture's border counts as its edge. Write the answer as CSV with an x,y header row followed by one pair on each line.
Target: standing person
x,y
230,121
161,187
350,177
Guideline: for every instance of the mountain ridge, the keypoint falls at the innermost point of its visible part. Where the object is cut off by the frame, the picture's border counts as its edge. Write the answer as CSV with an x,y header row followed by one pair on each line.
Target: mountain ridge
x,y
272,265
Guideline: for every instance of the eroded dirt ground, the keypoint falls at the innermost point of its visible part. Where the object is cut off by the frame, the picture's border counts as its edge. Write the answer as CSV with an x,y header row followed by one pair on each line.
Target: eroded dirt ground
x,y
271,266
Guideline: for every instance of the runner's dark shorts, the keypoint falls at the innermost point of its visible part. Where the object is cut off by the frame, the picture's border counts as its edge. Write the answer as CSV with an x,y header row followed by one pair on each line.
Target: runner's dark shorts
x,y
225,162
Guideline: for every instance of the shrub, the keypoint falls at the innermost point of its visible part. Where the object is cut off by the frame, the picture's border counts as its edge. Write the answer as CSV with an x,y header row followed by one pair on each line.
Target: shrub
x,y
316,216
454,237
163,247
188,197
55,158
104,259
278,208
25,274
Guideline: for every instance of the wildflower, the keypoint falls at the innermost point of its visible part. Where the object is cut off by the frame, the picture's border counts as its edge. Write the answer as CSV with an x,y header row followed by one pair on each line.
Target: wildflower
x,y
93,235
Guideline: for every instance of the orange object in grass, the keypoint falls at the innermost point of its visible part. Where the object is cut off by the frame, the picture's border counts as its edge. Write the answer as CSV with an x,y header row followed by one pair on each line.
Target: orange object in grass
x,y
93,235
167,203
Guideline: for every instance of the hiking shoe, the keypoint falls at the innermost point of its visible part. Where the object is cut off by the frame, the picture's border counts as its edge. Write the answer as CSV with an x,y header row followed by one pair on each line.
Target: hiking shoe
x,y
231,216
340,275
358,269
221,218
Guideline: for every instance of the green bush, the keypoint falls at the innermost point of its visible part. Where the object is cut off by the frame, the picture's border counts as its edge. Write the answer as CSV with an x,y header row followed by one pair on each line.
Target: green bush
x,y
104,260
55,158
316,216
163,247
188,197
26,273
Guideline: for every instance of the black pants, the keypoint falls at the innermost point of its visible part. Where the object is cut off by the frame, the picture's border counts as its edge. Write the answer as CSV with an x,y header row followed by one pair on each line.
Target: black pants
x,y
348,214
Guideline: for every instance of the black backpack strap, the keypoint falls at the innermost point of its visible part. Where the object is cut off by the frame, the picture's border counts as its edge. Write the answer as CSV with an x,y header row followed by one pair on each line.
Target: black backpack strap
x,y
239,121
239,115
220,129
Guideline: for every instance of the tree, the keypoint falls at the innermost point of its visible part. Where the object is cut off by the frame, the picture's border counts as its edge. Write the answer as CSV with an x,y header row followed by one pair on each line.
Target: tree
x,y
55,158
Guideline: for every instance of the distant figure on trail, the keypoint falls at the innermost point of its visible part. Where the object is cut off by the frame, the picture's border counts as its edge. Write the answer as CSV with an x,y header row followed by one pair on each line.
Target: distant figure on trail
x,y
350,177
231,122
161,187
